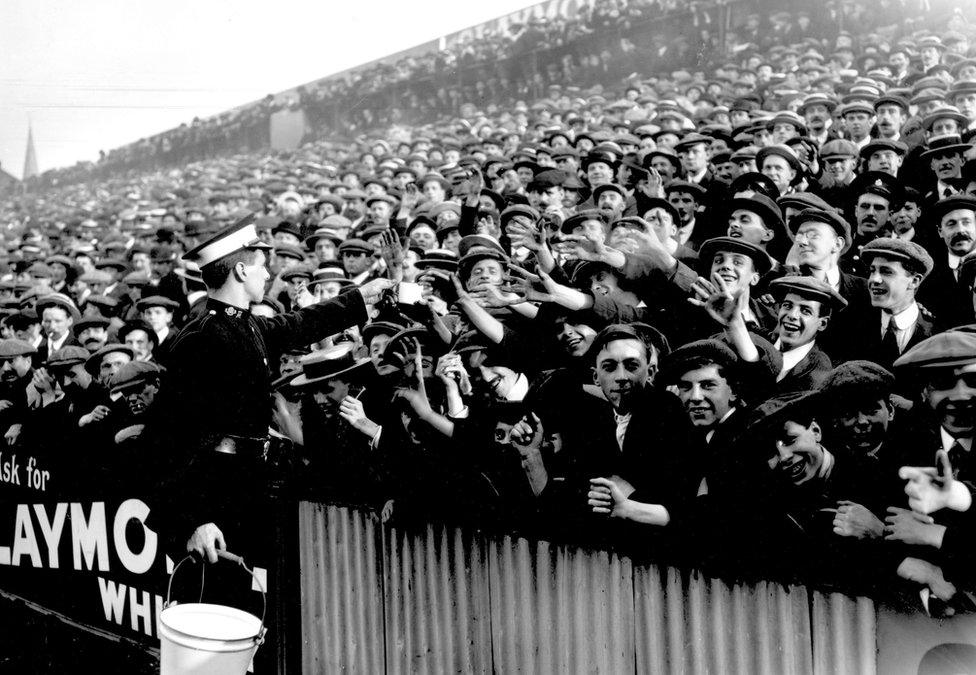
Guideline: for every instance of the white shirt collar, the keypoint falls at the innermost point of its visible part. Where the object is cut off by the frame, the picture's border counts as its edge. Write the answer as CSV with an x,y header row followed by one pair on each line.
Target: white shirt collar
x,y
954,261
948,441
519,389
791,357
904,319
57,344
833,277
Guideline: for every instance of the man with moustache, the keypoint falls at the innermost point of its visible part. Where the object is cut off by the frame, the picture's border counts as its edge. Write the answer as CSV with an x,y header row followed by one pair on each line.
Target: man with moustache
x,y
874,193
16,373
816,110
944,291
945,158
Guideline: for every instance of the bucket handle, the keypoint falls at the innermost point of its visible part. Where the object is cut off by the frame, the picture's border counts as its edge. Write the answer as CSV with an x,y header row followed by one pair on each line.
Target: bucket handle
x,y
229,557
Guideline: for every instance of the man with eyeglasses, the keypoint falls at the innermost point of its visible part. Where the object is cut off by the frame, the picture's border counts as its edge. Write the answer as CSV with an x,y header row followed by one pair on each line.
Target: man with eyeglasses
x,y
820,238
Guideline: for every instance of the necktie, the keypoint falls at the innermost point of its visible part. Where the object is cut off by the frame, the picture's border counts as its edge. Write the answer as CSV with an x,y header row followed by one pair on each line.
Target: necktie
x,y
957,458
889,345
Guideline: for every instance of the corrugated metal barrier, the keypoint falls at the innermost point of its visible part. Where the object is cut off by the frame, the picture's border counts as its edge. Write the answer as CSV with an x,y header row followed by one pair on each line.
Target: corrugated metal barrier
x,y
452,600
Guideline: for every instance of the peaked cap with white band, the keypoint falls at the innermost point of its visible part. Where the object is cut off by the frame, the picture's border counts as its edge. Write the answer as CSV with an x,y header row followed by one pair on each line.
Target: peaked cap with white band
x,y
237,237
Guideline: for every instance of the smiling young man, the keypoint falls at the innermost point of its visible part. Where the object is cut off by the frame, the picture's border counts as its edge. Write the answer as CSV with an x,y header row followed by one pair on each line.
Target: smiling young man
x,y
804,308
897,269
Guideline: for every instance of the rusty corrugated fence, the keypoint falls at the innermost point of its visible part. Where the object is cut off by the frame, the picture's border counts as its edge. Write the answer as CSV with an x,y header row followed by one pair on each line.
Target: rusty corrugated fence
x,y
453,600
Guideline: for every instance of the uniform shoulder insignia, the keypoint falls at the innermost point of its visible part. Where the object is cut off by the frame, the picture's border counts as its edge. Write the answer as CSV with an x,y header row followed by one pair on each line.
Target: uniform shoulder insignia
x,y
924,311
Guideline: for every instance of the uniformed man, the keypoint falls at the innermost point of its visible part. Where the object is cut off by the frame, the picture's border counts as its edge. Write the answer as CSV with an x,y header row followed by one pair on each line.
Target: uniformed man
x,y
218,402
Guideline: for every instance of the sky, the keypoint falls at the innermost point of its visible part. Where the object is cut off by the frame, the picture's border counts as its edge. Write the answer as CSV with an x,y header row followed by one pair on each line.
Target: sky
x,y
97,74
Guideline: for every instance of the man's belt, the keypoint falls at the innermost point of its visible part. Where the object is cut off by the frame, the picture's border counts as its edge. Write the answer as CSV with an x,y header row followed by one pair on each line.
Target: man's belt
x,y
243,445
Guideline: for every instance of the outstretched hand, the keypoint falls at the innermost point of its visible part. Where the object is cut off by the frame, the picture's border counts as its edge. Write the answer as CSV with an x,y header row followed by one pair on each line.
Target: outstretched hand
x,y
930,489
721,304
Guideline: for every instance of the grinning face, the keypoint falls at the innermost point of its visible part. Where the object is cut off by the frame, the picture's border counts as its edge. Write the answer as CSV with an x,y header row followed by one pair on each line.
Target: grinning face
x,y
951,394
798,320
817,243
706,395
841,168
892,287
799,454
736,269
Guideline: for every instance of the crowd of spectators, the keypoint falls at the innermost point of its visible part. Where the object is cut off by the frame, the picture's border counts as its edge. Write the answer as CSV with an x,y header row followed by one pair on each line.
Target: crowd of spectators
x,y
724,319
599,44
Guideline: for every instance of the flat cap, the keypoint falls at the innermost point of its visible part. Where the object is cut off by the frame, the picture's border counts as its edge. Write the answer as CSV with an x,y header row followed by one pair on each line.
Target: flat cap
x,y
686,186
67,356
803,200
881,144
762,206
13,347
914,256
950,349
709,248
807,287
684,357
519,210
157,301
839,147
783,151
856,379
94,361
134,372
630,331
355,246
578,219
961,201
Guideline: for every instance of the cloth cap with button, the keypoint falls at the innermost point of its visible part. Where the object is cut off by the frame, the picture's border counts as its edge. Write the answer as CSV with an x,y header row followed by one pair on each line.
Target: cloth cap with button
x,y
827,216
13,347
950,349
706,254
138,324
157,301
810,288
134,373
838,147
577,219
240,236
762,206
356,246
914,257
519,210
856,380
783,151
94,361
691,354
660,203
629,331
67,356
882,144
